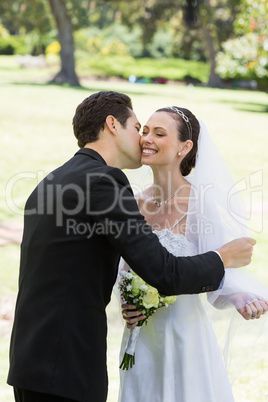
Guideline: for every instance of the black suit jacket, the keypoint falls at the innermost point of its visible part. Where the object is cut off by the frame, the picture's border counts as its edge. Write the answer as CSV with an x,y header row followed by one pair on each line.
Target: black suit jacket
x,y
78,221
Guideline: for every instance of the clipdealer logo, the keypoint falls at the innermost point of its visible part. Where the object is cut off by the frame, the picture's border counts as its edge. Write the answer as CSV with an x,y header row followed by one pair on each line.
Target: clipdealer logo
x,y
105,228
68,199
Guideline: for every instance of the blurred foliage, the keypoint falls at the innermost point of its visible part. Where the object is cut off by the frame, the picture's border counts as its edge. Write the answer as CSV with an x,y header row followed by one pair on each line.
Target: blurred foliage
x,y
22,16
29,26
148,28
30,43
149,16
13,45
219,17
142,68
246,57
112,40
53,48
10,44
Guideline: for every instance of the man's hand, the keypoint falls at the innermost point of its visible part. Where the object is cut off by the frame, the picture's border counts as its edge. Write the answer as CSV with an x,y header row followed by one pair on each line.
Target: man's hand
x,y
237,253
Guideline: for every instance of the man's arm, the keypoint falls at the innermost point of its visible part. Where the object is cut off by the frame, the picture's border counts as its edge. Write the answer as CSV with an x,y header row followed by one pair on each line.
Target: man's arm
x,y
114,206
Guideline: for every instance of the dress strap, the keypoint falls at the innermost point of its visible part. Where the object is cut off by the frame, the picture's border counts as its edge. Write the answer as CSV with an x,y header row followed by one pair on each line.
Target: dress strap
x,y
178,220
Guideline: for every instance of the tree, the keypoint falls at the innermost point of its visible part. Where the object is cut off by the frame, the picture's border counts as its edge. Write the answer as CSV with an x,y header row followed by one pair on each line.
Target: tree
x,y
30,17
211,20
191,23
26,15
149,15
245,57
35,16
67,73
215,22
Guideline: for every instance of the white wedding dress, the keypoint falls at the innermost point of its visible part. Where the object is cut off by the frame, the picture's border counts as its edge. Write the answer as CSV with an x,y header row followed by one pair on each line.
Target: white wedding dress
x,y
177,358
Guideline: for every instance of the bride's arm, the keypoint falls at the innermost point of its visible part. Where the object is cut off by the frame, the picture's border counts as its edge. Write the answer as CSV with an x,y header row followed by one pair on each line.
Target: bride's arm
x,y
242,291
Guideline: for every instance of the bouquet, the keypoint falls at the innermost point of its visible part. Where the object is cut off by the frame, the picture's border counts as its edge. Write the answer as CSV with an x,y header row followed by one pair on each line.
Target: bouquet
x,y
147,299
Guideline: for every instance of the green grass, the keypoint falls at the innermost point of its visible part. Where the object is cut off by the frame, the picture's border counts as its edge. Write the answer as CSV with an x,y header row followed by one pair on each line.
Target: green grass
x,y
6,394
9,269
36,136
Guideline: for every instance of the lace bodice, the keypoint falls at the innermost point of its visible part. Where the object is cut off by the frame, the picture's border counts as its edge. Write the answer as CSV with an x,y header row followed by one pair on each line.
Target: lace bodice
x,y
176,243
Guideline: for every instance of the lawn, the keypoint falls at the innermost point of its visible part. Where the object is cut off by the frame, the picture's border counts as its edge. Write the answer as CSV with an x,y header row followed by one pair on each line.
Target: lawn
x,y
36,136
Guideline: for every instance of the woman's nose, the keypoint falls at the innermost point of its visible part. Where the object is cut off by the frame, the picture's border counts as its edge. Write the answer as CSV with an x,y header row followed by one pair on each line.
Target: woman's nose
x,y
147,139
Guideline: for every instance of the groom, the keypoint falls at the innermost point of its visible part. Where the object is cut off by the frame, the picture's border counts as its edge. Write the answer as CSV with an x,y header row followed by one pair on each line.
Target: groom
x,y
78,221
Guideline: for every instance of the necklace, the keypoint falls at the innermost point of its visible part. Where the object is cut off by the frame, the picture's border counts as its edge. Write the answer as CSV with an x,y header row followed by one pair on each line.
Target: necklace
x,y
166,201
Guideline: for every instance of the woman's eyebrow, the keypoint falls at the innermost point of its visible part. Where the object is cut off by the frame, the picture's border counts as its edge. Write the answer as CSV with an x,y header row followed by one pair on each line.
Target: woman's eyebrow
x,y
155,128
161,128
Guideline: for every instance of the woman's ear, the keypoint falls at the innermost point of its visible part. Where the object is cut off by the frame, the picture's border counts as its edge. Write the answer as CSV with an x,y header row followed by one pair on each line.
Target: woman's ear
x,y
111,124
187,146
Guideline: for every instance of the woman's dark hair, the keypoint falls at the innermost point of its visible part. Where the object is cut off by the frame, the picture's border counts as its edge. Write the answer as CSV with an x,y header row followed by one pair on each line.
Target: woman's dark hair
x,y
186,131
90,115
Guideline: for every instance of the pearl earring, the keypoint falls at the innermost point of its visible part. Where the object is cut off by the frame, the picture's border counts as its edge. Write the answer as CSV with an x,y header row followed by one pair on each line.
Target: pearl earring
x,y
179,153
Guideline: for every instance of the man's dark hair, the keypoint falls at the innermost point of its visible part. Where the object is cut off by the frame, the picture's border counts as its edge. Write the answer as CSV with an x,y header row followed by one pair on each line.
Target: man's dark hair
x,y
90,115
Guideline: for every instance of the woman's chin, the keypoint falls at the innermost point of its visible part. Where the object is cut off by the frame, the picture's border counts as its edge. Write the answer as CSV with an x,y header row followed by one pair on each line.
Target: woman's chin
x,y
145,160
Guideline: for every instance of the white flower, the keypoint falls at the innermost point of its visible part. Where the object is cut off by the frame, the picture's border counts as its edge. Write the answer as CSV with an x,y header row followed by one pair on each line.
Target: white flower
x,y
129,287
129,275
144,288
123,274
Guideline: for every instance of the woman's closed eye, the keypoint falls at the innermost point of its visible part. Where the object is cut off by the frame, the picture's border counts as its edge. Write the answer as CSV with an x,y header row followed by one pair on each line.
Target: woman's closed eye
x,y
157,134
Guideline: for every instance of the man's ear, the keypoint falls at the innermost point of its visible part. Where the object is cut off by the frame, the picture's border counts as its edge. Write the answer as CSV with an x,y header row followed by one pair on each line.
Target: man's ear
x,y
111,122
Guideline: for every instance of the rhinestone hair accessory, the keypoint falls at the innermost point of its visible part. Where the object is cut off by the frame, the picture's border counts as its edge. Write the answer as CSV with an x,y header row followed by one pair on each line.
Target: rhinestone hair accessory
x,y
185,118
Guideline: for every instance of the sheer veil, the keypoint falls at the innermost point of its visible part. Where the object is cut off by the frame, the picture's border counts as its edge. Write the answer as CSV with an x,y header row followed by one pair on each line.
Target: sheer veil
x,y
216,215
214,218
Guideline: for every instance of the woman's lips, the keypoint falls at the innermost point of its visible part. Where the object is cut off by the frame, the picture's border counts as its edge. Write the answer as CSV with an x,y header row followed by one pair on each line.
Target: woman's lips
x,y
148,152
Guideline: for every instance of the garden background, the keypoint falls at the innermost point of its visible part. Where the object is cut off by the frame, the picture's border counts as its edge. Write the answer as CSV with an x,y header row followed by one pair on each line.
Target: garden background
x,y
158,57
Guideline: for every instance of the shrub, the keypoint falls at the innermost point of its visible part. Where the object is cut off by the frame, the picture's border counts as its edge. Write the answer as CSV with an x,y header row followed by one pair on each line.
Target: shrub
x,y
13,45
161,45
114,47
53,48
146,68
113,40
244,58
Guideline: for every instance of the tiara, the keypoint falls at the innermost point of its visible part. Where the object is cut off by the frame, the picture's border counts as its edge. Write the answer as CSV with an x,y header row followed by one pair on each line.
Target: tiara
x,y
185,118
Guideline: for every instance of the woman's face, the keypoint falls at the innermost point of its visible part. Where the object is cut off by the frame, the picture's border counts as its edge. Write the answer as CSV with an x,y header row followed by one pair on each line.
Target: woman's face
x,y
159,140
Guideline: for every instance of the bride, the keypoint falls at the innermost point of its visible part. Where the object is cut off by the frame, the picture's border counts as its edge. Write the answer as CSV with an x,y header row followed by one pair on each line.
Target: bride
x,y
177,357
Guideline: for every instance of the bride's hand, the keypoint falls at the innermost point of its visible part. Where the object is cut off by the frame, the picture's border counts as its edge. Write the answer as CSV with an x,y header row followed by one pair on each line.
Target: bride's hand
x,y
131,315
254,310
